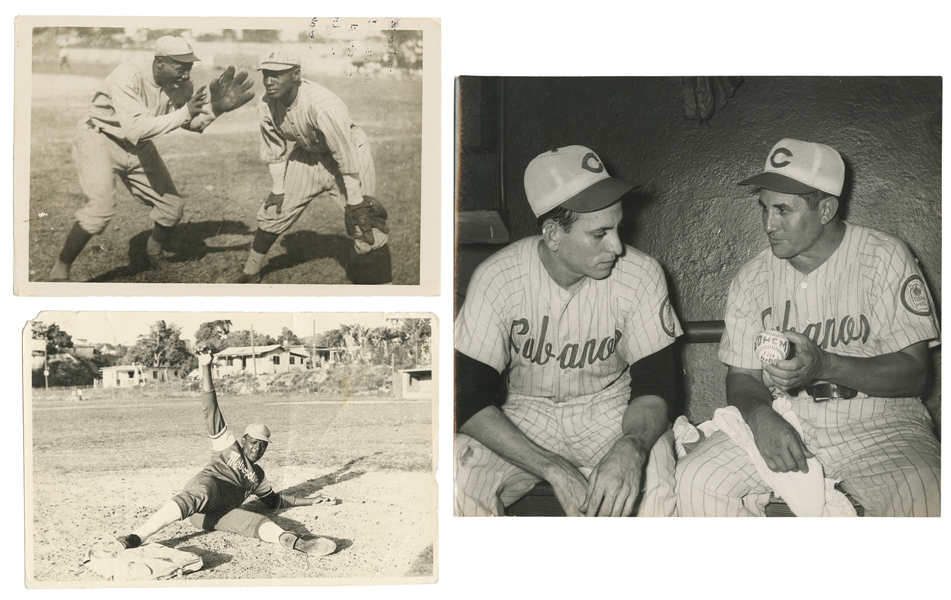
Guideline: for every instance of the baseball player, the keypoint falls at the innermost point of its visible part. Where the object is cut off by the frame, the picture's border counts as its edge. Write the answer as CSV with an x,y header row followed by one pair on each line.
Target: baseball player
x,y
331,155
211,500
856,310
141,100
576,328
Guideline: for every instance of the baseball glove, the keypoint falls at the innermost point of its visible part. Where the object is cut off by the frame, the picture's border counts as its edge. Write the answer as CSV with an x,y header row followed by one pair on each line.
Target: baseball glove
x,y
230,91
362,218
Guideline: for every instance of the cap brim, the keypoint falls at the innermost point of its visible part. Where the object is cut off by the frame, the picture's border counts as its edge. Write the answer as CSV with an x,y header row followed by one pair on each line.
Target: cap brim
x,y
600,195
273,67
184,58
778,183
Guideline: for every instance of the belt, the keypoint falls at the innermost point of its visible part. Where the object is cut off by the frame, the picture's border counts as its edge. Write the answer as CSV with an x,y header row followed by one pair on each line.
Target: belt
x,y
124,144
822,392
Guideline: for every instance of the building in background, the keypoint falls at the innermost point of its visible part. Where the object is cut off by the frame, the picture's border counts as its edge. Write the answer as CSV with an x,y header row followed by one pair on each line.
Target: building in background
x,y
124,376
273,358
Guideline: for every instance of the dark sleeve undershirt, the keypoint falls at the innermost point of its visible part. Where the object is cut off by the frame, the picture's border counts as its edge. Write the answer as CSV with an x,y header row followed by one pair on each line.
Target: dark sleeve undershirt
x,y
653,375
477,386
272,500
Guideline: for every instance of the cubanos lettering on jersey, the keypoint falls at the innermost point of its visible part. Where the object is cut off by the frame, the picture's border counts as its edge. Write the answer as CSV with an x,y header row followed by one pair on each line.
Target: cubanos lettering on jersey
x,y
832,332
571,356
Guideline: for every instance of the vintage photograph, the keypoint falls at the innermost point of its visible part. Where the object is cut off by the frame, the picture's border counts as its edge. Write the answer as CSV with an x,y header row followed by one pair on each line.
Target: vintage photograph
x,y
227,151
234,448
698,296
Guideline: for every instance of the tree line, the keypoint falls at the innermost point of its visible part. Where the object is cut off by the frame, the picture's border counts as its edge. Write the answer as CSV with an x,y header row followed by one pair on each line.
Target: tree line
x,y
402,343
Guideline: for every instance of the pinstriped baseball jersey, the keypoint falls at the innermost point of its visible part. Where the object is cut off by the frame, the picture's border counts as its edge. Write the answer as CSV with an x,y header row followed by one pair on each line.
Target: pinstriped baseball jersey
x,y
559,344
867,299
317,121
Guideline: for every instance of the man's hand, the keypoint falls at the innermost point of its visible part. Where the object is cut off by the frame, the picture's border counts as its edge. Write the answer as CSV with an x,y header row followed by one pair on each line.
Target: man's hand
x,y
230,91
780,444
614,485
204,357
806,366
568,484
274,200
197,100
321,499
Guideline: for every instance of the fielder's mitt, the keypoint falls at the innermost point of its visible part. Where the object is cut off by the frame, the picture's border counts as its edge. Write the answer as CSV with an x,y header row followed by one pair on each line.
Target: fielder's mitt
x,y
230,91
362,218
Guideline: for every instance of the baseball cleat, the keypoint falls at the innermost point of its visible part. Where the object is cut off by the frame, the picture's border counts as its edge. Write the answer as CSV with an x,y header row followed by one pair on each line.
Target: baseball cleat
x,y
242,277
129,541
313,546
59,273
158,261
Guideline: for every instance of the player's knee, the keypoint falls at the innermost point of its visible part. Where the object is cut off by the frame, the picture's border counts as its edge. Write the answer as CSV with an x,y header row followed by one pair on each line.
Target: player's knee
x,y
466,453
192,501
173,212
188,503
685,474
918,496
94,223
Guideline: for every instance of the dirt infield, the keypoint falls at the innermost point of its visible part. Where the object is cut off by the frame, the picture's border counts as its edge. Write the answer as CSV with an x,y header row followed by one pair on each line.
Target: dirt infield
x,y
100,468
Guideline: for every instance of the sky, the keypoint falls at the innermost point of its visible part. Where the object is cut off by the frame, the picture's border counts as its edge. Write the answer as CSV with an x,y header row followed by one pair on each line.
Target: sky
x,y
126,327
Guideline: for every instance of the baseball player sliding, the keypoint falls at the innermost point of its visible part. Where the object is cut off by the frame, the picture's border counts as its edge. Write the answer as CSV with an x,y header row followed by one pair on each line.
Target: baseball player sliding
x,y
577,329
331,155
141,100
854,305
211,500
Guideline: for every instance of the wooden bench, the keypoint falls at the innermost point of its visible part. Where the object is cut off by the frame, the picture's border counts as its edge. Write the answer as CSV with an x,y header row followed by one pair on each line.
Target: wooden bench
x,y
541,501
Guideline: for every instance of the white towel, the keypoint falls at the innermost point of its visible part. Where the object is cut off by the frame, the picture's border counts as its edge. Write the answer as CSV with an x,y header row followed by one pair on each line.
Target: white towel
x,y
806,494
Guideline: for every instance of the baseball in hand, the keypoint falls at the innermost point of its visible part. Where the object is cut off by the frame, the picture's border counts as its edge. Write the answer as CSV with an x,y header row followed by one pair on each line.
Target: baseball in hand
x,y
771,346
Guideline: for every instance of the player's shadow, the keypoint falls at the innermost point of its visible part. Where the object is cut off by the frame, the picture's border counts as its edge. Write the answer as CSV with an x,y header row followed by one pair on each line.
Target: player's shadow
x,y
342,474
305,246
306,488
187,244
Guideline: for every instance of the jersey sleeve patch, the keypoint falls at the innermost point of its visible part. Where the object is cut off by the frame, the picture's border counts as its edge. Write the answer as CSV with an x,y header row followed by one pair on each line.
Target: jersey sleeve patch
x,y
914,296
667,317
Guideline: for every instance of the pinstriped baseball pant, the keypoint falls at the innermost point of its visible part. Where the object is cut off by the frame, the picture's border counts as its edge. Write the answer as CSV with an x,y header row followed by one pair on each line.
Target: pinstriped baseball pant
x,y
310,175
579,430
882,449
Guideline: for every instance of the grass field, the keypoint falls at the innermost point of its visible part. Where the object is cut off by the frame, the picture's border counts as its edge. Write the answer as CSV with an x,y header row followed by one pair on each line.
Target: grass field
x,y
102,466
223,182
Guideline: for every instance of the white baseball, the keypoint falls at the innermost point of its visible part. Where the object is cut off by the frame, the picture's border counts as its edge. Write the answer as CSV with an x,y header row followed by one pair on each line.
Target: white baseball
x,y
771,346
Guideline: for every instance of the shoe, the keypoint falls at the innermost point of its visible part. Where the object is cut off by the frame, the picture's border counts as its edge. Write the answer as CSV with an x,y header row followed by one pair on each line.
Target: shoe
x,y
157,262
313,546
58,274
242,277
129,541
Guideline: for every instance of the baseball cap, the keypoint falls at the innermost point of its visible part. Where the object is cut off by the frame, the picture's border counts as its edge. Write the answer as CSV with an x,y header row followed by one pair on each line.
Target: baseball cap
x,y
258,432
176,48
572,177
281,59
797,167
